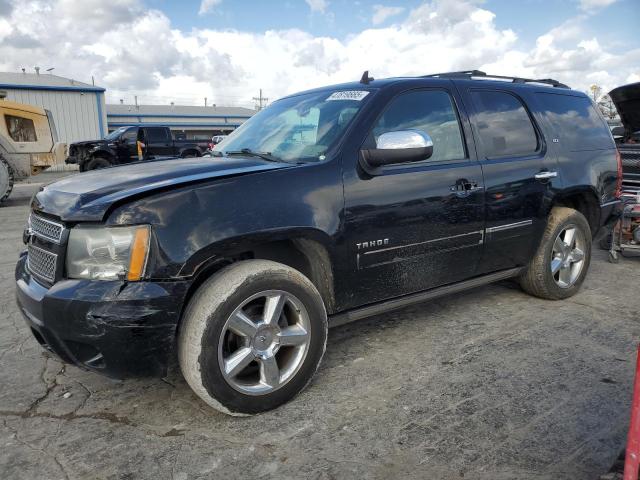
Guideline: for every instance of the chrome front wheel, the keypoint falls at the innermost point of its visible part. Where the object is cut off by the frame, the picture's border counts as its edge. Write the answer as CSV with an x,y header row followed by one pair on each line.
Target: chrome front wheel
x,y
567,258
264,342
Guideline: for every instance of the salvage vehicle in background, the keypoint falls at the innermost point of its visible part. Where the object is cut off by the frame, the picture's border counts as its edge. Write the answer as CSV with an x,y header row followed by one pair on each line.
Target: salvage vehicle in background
x,y
627,101
216,139
625,236
121,147
28,143
325,207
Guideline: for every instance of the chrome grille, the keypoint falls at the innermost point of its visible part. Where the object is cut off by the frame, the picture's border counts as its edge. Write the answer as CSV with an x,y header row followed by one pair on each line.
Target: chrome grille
x,y
46,228
41,263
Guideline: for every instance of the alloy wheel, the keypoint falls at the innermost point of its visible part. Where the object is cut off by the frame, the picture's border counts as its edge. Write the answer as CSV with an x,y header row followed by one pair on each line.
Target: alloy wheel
x,y
567,258
264,342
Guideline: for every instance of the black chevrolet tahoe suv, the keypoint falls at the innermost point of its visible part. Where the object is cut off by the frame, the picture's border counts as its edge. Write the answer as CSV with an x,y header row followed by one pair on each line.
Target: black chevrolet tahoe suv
x,y
121,146
328,206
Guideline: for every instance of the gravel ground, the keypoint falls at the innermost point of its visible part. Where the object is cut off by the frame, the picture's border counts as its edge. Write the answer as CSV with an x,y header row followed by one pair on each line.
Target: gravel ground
x,y
492,384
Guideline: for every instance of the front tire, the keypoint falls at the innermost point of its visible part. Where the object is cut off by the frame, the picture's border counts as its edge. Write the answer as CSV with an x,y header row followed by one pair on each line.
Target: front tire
x,y
561,263
252,337
98,163
6,179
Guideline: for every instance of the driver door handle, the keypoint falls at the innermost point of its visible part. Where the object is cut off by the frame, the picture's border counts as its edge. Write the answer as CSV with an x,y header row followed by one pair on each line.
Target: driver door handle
x,y
463,188
545,175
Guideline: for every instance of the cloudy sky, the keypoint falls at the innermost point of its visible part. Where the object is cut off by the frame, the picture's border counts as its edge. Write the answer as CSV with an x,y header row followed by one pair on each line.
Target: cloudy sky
x,y
227,50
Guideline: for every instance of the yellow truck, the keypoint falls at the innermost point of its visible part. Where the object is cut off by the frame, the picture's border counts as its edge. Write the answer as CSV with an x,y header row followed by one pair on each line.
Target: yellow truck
x,y
28,143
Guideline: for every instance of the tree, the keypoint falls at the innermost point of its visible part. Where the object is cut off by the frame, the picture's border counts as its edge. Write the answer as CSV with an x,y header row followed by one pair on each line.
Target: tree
x,y
607,107
604,102
596,92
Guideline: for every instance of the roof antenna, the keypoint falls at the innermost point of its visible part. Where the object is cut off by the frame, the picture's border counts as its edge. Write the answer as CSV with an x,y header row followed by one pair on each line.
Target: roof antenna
x,y
366,78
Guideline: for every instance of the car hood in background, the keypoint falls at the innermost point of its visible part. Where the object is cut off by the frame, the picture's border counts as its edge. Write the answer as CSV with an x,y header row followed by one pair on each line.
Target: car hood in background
x,y
627,101
88,196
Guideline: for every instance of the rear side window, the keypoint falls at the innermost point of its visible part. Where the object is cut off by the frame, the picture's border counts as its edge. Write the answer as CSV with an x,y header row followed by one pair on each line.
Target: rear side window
x,y
21,129
575,123
431,111
503,125
156,135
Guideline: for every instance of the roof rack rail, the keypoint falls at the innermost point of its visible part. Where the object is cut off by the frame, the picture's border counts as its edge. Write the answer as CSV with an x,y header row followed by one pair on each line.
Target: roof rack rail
x,y
473,74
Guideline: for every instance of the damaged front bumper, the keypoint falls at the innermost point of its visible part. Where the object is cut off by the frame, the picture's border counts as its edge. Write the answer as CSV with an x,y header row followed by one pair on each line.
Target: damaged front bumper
x,y
119,329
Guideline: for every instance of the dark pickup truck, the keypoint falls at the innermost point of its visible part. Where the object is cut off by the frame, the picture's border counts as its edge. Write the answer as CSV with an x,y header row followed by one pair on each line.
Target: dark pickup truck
x,y
326,207
121,146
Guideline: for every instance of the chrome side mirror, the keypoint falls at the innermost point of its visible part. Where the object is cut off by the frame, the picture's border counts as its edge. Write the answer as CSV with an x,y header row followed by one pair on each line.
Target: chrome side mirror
x,y
399,147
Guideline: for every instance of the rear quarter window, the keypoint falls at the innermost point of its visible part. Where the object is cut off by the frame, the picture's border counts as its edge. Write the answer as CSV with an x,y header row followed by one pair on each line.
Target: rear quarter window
x,y
574,122
503,125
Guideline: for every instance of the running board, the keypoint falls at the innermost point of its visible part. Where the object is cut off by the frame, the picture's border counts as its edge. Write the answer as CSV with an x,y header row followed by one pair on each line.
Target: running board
x,y
396,303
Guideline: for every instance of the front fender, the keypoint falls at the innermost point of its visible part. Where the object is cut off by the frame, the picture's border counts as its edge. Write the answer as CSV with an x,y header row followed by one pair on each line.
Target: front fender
x,y
194,223
233,247
103,152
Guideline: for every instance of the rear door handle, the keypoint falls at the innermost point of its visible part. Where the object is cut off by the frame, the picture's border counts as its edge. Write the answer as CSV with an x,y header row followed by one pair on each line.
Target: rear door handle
x,y
545,175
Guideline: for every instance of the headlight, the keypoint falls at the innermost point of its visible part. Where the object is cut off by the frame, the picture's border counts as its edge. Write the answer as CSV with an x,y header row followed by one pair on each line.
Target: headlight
x,y
108,253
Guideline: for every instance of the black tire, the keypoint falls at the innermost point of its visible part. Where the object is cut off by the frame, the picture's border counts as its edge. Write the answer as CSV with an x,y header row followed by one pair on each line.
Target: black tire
x,y
96,163
538,279
6,179
191,154
202,333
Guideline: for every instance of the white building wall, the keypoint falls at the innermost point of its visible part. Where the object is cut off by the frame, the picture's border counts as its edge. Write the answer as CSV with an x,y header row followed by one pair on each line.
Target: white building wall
x,y
78,115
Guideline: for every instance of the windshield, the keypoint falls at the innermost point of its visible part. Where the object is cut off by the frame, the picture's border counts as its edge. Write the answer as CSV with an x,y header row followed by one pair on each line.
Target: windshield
x,y
300,128
115,134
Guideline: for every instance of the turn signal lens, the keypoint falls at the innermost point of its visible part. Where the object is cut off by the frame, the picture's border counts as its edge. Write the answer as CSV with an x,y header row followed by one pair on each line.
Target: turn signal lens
x,y
139,251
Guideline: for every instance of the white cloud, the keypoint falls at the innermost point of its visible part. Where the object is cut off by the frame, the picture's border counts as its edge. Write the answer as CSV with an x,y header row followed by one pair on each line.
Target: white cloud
x,y
207,6
590,5
317,6
133,50
382,13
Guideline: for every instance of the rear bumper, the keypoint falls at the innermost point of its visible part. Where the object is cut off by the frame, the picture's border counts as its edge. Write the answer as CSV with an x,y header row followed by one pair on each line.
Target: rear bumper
x,y
71,160
114,328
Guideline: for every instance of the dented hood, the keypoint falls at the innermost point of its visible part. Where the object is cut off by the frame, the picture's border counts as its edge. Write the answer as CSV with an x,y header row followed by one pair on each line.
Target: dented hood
x,y
627,101
88,196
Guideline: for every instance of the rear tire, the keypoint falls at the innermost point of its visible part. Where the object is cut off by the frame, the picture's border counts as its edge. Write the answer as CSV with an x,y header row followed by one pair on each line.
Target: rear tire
x,y
252,337
561,263
190,154
6,179
97,163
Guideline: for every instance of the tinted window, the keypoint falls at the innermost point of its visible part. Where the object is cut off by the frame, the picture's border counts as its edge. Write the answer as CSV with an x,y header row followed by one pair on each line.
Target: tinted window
x,y
156,135
503,125
575,123
130,135
430,111
21,129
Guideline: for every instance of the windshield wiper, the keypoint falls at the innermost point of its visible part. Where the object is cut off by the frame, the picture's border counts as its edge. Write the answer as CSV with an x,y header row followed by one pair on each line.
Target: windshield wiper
x,y
247,151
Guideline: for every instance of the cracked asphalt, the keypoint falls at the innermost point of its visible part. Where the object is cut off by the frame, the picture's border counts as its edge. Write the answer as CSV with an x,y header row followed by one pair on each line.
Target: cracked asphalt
x,y
492,384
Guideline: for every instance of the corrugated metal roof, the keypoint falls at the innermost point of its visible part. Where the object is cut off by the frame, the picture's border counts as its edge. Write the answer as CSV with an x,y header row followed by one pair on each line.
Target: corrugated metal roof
x,y
178,110
19,79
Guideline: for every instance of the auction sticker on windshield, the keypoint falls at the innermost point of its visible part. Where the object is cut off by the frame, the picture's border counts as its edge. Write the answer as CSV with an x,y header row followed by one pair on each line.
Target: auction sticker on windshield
x,y
356,95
